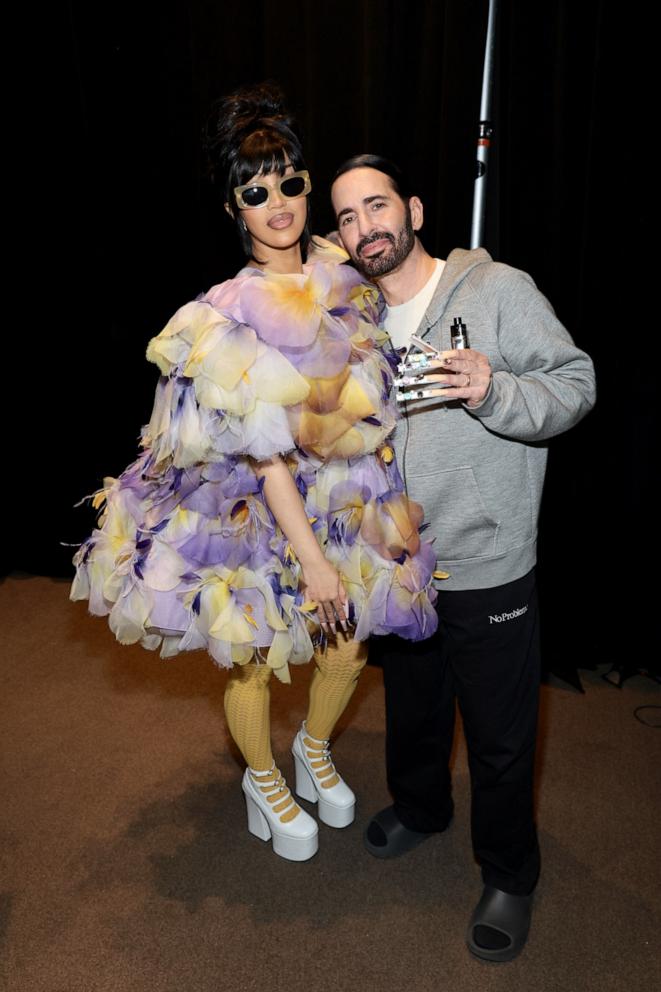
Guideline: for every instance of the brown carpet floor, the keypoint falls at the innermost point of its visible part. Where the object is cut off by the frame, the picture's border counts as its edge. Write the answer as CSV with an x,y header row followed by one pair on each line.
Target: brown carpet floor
x,y
127,867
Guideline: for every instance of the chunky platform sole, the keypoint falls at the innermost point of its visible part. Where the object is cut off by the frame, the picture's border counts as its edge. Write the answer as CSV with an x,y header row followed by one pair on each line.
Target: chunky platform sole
x,y
329,813
286,845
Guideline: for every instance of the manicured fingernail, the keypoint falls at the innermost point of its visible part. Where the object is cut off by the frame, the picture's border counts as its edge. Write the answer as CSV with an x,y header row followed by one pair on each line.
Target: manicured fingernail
x,y
344,626
408,380
334,627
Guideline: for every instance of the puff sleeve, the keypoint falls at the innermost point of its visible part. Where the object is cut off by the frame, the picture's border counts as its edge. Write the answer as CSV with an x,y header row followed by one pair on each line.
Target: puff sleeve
x,y
223,390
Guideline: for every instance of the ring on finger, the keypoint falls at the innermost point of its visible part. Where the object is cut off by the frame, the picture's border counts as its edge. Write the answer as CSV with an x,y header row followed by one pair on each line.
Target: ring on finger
x,y
468,379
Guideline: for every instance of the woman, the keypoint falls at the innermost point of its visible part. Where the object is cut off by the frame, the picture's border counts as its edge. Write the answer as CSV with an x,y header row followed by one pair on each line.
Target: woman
x,y
266,509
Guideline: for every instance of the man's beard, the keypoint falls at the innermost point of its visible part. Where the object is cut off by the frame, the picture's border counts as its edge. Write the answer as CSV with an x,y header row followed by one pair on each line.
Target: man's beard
x,y
390,258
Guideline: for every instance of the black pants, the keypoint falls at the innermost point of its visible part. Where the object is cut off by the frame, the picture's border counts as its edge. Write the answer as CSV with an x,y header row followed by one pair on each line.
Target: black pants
x,y
486,656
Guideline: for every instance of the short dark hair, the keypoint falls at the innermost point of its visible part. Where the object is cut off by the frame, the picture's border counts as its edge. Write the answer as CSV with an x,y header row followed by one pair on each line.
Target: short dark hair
x,y
398,179
250,132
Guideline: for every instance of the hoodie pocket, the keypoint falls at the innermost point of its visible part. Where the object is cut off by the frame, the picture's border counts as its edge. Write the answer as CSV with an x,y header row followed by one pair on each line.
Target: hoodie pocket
x,y
458,519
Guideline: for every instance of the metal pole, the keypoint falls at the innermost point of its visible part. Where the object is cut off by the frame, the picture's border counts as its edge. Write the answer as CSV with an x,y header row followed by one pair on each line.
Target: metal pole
x,y
485,132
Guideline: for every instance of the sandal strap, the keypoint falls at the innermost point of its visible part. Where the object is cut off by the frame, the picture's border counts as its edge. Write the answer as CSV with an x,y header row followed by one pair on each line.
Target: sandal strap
x,y
276,792
321,762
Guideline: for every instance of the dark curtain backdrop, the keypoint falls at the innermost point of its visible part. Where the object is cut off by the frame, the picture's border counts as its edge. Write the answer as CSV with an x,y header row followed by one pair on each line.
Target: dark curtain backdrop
x,y
125,228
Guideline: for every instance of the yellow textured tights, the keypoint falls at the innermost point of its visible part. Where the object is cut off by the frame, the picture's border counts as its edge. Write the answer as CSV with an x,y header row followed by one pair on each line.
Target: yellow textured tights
x,y
247,705
333,682
247,699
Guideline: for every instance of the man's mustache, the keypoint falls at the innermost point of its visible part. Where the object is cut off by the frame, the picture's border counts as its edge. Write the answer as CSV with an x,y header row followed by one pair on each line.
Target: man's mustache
x,y
376,236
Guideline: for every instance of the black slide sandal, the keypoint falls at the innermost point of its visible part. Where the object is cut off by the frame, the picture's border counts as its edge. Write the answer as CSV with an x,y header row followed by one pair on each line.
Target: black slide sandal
x,y
387,837
499,926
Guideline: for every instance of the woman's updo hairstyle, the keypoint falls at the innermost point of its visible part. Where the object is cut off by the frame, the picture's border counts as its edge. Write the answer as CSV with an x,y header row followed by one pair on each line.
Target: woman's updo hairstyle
x,y
248,132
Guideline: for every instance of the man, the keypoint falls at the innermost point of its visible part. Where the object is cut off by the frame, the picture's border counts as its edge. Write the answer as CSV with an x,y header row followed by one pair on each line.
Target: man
x,y
474,455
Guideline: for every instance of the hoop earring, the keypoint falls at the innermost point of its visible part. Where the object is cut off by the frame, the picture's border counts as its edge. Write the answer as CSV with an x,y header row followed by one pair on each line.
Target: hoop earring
x,y
245,226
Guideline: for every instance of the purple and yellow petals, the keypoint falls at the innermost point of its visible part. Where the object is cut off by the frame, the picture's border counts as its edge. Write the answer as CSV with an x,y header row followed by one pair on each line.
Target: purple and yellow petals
x,y
325,251
327,356
225,357
267,431
129,617
187,555
284,309
167,352
346,506
354,402
163,568
391,526
171,347
226,297
275,380
324,395
279,652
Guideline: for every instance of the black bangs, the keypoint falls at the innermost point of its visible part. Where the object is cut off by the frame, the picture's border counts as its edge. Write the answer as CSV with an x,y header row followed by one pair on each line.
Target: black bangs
x,y
248,133
268,149
264,151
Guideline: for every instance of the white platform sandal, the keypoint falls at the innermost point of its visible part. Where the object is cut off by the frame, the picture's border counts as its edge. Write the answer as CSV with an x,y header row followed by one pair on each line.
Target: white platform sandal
x,y
318,781
273,814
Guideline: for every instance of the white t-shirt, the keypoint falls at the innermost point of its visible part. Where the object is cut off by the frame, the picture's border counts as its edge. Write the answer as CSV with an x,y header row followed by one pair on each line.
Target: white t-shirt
x,y
403,320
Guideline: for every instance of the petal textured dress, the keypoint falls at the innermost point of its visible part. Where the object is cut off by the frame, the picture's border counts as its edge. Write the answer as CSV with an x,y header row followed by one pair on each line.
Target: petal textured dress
x,y
187,554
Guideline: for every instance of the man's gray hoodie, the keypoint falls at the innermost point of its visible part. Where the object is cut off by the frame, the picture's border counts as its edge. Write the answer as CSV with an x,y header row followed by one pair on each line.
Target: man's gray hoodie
x,y
479,472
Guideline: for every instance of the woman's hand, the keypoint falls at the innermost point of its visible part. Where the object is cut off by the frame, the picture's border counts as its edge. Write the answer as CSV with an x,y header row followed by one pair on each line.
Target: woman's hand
x,y
322,580
462,375
323,585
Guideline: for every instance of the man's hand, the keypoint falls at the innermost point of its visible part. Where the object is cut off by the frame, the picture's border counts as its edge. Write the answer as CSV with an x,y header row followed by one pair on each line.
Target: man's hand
x,y
465,374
